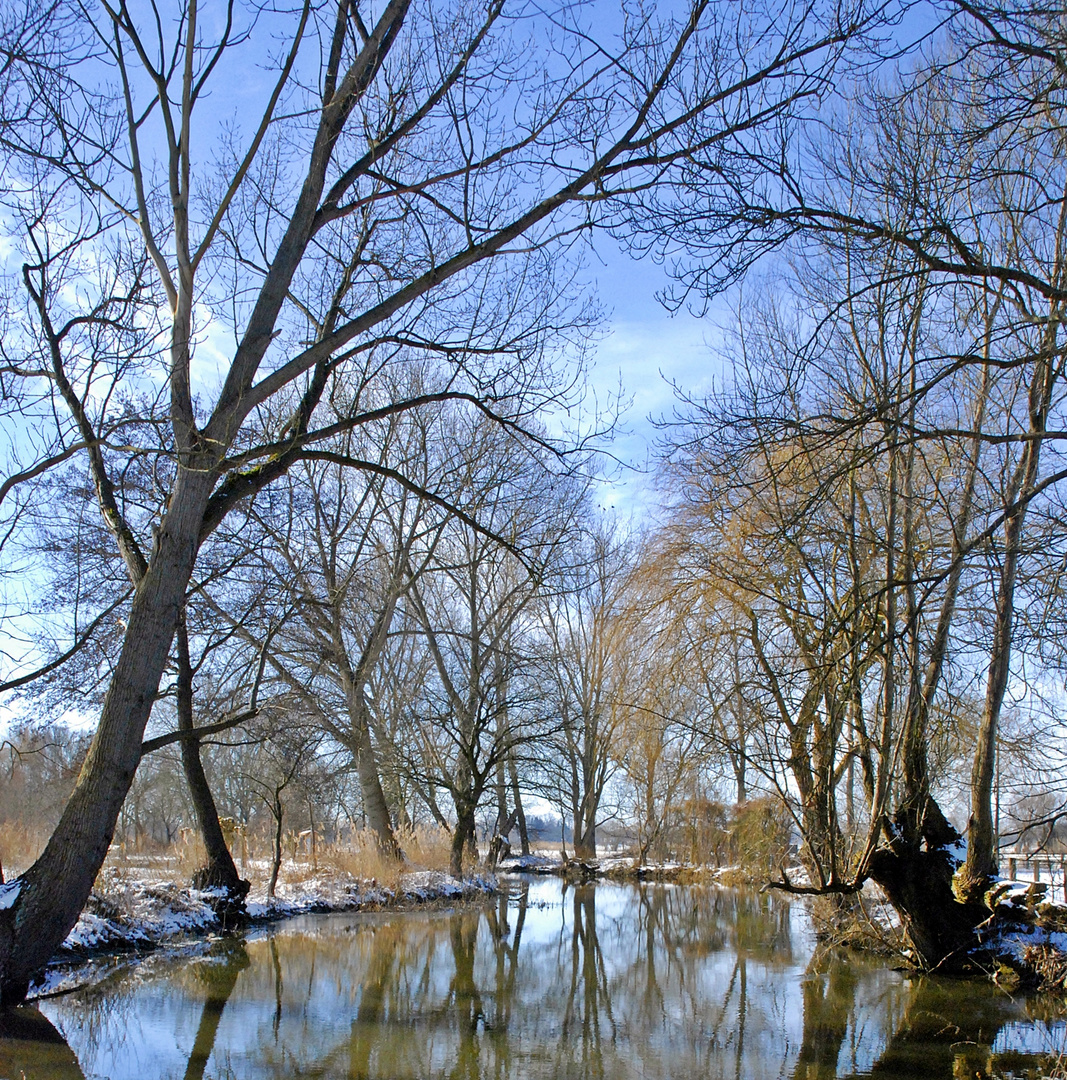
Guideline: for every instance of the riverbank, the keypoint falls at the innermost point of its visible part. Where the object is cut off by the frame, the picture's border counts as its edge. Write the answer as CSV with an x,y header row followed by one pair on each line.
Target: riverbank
x,y
1023,947
131,916
134,914
618,867
128,918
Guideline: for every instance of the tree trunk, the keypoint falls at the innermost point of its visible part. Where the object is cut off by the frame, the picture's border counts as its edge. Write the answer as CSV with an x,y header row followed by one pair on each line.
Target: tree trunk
x,y
462,837
499,847
981,865
917,879
276,865
54,890
524,834
455,857
585,829
220,871
370,784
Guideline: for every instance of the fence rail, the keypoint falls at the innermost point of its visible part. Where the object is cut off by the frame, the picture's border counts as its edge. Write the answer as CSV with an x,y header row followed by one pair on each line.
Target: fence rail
x,y
1036,866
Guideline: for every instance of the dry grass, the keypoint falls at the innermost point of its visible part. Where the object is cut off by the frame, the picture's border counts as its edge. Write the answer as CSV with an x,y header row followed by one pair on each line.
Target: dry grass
x,y
19,846
425,848
149,860
360,859
357,857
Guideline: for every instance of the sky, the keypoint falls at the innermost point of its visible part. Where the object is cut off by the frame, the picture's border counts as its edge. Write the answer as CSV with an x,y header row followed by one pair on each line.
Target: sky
x,y
645,349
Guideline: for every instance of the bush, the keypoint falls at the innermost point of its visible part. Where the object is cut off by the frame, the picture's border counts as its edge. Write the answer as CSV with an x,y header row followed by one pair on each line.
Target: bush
x,y
760,835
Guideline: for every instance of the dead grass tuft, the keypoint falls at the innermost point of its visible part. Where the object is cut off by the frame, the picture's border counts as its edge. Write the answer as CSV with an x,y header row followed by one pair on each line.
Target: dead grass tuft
x,y
426,847
1049,966
359,857
19,846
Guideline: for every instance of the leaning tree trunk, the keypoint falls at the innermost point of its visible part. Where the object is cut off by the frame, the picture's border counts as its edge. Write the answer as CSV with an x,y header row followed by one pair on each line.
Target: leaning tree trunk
x,y
220,871
370,783
52,893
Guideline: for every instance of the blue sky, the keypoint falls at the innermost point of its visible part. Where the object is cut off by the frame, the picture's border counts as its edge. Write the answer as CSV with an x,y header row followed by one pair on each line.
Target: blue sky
x,y
646,348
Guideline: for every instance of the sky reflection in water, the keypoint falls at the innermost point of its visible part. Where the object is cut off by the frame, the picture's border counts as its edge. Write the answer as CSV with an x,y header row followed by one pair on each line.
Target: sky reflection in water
x,y
606,982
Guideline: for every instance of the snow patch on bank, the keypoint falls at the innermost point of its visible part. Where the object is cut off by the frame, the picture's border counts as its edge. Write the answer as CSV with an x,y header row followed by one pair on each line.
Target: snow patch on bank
x,y
1016,942
138,913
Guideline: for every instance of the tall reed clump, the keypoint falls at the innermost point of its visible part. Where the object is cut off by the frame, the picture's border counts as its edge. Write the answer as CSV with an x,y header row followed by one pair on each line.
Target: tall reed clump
x,y
359,856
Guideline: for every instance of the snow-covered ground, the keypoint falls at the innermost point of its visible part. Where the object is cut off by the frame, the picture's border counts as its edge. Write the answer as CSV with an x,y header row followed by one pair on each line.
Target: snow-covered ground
x,y
138,914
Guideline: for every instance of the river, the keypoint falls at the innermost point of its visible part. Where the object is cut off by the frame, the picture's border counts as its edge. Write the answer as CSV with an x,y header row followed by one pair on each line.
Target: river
x,y
543,982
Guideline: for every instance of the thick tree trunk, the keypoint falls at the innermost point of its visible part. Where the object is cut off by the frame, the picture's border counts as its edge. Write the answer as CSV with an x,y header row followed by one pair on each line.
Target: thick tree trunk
x,y
370,784
585,830
455,857
917,879
53,891
462,837
220,871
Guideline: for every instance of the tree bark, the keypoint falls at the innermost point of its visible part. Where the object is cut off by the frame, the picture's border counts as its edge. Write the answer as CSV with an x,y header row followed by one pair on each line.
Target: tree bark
x,y
524,834
917,878
220,871
370,784
54,890
278,810
585,829
463,836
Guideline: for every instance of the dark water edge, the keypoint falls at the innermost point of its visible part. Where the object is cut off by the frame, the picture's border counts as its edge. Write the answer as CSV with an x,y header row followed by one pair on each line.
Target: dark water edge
x,y
606,981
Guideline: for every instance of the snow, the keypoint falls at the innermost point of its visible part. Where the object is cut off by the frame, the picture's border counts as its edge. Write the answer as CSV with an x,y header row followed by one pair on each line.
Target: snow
x,y
141,913
9,893
531,863
1014,943
957,851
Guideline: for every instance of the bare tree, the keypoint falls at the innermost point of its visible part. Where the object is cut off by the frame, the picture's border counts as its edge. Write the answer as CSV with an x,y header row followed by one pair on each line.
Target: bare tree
x,y
473,608
586,634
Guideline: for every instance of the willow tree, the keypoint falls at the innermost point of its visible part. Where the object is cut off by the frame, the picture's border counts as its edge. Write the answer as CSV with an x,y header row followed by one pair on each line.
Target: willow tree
x,y
906,405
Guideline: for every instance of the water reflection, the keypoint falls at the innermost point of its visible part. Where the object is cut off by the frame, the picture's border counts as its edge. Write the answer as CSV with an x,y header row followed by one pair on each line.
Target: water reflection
x,y
598,982
218,988
31,1046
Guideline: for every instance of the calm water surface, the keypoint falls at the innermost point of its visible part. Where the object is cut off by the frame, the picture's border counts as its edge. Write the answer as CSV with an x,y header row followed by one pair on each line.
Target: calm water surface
x,y
545,981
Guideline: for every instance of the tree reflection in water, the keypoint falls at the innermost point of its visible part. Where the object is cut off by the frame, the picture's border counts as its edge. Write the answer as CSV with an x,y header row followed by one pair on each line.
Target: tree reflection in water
x,y
220,979
587,1012
586,983
30,1045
